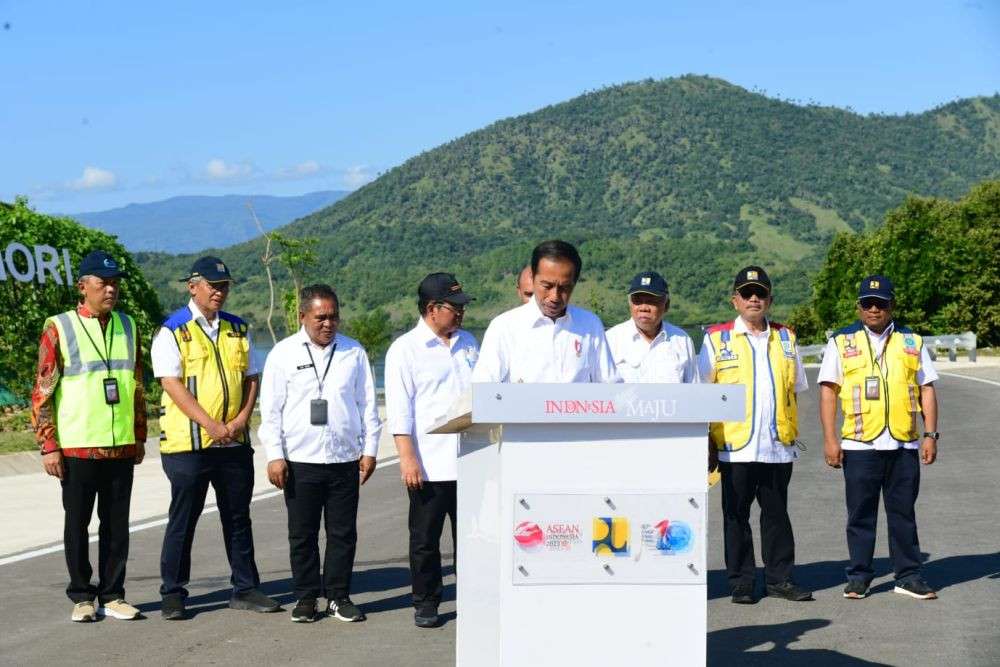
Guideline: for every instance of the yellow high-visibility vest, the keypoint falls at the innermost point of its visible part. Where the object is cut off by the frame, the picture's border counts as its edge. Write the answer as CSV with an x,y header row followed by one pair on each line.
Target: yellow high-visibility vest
x,y
83,417
898,402
212,371
734,363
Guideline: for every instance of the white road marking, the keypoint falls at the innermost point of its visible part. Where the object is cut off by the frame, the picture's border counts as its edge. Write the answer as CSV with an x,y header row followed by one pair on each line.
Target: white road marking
x,y
134,528
970,377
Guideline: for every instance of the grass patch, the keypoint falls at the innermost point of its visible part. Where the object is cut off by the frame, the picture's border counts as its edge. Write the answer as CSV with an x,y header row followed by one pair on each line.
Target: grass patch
x,y
827,220
777,248
17,441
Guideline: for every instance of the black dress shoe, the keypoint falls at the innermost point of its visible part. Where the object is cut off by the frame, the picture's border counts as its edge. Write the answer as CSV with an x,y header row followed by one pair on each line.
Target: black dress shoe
x,y
253,600
426,616
743,595
172,608
788,590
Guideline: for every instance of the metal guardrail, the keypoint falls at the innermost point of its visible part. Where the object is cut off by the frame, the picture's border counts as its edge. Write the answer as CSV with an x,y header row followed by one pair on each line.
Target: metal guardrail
x,y
953,343
812,351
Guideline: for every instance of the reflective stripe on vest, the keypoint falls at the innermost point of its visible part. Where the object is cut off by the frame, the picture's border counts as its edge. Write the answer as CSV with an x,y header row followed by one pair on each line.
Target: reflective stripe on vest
x,y
213,372
734,362
83,418
898,403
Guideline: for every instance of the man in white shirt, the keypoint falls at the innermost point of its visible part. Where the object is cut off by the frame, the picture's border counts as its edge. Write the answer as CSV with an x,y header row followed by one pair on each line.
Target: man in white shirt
x,y
203,357
645,347
426,369
547,339
320,429
883,377
756,454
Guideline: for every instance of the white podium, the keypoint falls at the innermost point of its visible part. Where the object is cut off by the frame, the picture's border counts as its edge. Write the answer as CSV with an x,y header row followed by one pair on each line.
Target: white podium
x,y
581,522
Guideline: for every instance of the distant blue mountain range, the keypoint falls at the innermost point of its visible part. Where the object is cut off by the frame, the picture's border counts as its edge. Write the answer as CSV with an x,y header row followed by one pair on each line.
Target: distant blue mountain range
x,y
189,224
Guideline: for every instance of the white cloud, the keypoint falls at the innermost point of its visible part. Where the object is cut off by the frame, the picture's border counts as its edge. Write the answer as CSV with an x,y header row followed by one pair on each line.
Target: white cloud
x,y
356,176
94,178
305,169
218,169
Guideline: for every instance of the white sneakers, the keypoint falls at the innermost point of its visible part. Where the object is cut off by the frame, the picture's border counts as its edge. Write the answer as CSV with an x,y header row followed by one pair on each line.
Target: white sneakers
x,y
85,612
119,609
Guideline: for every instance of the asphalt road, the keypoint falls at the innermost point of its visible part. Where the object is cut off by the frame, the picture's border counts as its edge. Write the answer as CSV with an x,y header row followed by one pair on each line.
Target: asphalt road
x,y
957,515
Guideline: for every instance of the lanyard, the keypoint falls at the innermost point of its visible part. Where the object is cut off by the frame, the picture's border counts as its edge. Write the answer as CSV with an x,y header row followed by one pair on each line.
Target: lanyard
x,y
106,357
879,359
316,372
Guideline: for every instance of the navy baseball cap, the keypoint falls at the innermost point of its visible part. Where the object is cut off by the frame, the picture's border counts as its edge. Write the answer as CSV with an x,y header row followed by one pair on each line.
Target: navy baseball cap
x,y
649,282
877,286
212,269
752,275
442,287
99,263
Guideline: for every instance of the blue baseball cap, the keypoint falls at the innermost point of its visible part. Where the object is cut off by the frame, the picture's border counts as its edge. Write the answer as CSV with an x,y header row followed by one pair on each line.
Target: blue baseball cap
x,y
212,269
648,282
101,264
877,286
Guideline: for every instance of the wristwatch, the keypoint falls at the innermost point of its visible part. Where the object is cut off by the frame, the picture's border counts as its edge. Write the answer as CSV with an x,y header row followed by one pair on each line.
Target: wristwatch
x,y
932,434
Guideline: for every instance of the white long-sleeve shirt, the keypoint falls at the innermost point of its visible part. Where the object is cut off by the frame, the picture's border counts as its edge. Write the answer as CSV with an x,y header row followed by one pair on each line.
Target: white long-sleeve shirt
x,y
288,386
522,345
669,357
423,377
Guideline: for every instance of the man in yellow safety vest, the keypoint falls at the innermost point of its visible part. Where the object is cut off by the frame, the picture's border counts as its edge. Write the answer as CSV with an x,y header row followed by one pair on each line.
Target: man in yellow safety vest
x,y
882,376
756,453
203,357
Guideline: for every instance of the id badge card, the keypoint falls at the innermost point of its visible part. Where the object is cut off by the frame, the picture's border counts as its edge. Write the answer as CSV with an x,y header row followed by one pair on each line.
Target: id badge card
x,y
111,396
872,388
317,411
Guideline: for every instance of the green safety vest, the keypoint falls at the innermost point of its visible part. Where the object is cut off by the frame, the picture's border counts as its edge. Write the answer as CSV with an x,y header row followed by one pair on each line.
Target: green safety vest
x,y
83,418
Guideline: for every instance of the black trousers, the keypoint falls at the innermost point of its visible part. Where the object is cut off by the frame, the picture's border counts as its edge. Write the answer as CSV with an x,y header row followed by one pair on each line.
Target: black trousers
x,y
768,484
328,491
109,481
896,475
230,472
428,507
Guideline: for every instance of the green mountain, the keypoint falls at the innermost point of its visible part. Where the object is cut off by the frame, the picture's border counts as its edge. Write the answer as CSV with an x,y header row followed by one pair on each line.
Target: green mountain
x,y
692,176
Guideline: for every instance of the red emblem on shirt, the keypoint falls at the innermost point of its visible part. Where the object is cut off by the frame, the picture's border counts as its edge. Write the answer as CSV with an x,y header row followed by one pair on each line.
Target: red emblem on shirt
x,y
578,346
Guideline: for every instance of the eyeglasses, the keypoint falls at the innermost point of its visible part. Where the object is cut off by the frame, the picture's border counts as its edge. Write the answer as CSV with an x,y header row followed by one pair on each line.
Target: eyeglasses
x,y
220,286
458,310
873,302
748,291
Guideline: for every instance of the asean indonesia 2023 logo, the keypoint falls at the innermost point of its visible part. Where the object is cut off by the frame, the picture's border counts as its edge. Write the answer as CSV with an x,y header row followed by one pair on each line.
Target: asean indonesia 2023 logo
x,y
667,537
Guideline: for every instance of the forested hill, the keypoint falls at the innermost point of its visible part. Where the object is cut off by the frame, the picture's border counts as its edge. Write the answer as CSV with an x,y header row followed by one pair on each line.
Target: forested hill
x,y
691,176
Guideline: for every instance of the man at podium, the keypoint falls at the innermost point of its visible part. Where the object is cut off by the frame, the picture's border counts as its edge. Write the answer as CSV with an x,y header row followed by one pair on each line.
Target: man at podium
x,y
547,339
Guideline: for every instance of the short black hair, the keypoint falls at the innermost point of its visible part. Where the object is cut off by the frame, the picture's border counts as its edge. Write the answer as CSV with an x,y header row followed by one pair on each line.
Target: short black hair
x,y
317,291
557,250
423,305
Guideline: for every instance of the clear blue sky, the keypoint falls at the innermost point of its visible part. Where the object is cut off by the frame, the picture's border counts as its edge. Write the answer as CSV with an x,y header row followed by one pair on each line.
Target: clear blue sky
x,y
106,103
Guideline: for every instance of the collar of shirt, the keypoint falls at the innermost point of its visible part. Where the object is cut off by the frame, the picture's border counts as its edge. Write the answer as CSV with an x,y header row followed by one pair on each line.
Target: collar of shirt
x,y
533,315
740,326
880,338
83,311
304,338
660,335
427,336
198,317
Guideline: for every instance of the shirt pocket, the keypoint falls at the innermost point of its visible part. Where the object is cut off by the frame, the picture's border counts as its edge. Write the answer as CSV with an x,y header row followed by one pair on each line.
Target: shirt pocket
x,y
668,369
